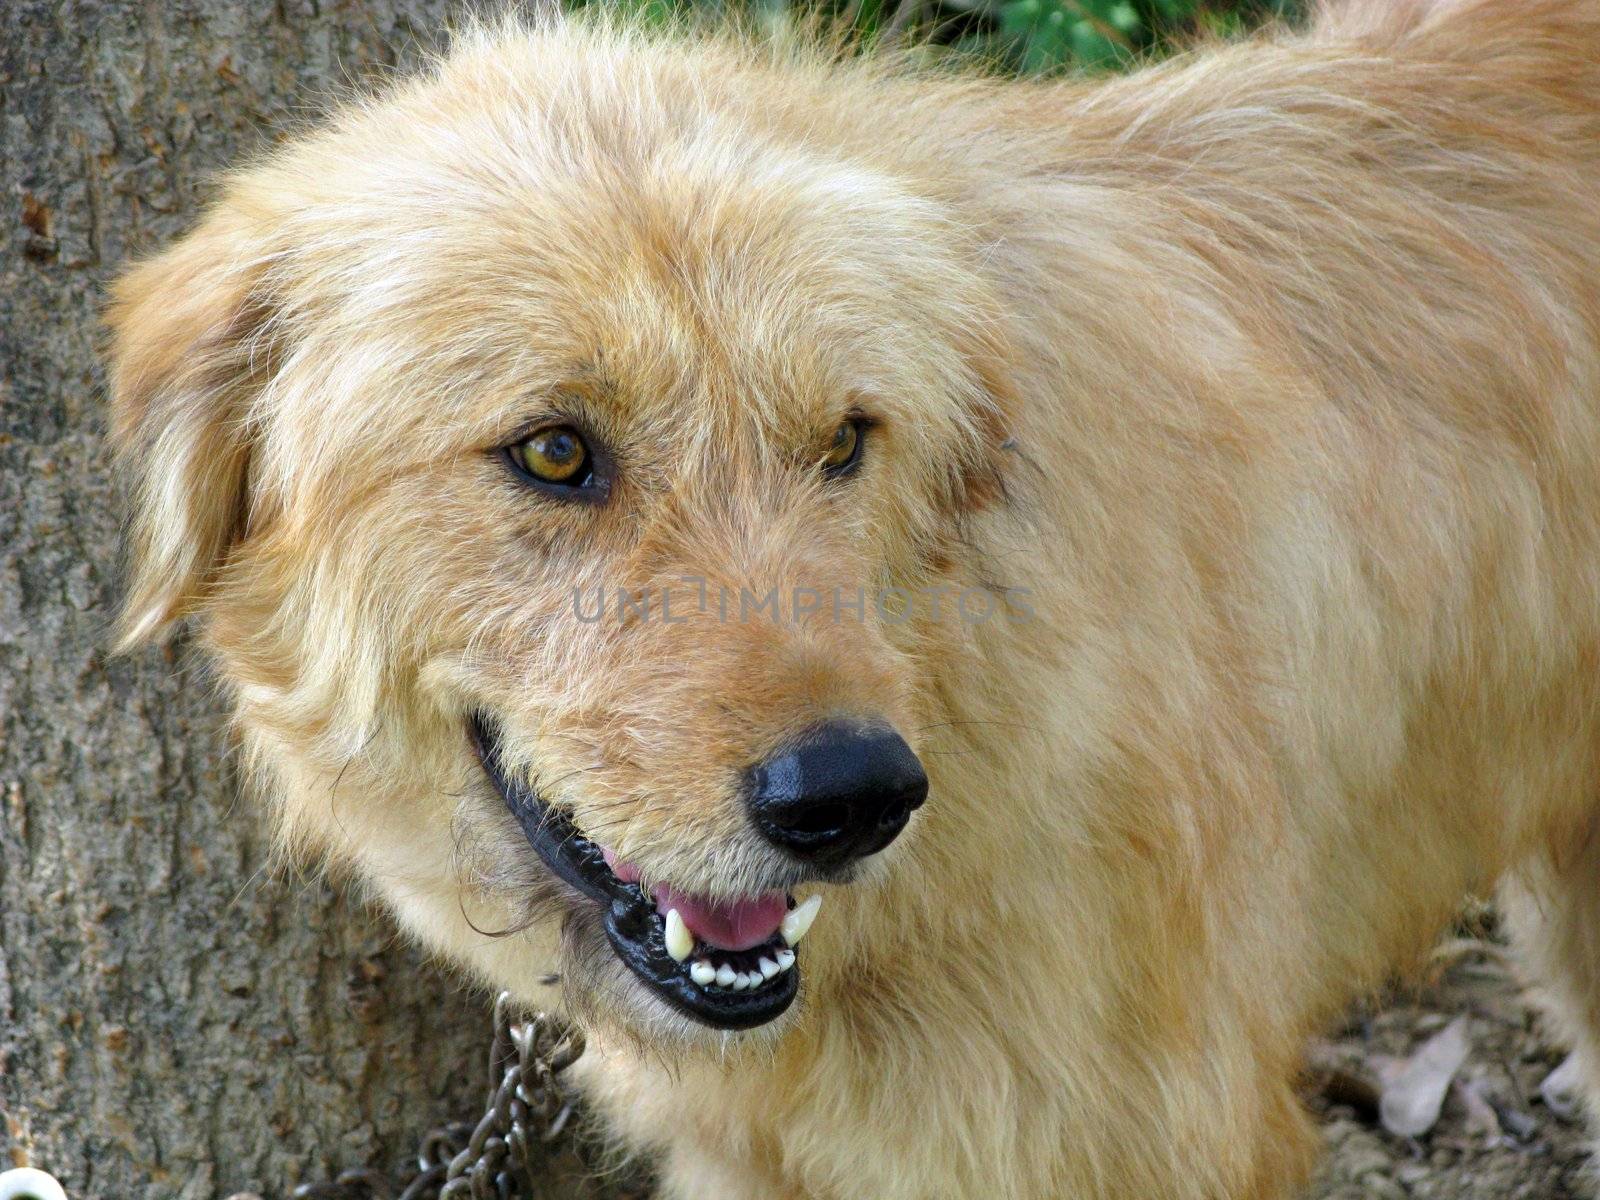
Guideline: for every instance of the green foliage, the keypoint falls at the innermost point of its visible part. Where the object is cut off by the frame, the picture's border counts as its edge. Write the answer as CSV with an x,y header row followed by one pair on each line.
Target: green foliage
x,y
1027,36
1095,35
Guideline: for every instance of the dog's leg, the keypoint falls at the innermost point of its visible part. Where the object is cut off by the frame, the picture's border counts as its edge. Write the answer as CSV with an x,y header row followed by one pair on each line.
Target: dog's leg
x,y
1553,910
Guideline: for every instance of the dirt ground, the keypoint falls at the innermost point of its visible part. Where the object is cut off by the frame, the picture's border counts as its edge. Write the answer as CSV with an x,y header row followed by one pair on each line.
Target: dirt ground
x,y
1497,1137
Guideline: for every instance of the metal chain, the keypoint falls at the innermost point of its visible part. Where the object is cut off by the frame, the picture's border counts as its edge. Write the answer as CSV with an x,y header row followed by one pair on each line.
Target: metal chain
x,y
500,1157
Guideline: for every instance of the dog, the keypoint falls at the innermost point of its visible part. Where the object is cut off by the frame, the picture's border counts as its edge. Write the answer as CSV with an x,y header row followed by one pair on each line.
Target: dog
x,y
962,619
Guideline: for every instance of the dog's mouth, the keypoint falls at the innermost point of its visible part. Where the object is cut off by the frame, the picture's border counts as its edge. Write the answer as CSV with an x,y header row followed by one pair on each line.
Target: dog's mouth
x,y
728,964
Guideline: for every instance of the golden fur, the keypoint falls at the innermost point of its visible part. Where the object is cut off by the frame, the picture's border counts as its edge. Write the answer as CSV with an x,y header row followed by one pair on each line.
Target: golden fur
x,y
1270,375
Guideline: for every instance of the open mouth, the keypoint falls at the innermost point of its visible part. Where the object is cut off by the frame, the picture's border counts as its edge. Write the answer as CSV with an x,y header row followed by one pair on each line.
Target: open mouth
x,y
728,964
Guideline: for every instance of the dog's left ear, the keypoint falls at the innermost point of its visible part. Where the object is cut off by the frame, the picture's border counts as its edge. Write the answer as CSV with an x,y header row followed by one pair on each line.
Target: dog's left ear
x,y
187,355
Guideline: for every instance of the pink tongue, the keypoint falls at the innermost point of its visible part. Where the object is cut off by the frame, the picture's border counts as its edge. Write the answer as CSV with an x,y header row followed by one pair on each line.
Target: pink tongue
x,y
725,924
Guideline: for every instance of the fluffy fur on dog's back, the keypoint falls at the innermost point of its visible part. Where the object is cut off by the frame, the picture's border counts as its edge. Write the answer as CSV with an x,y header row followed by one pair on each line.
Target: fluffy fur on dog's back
x,y
1270,376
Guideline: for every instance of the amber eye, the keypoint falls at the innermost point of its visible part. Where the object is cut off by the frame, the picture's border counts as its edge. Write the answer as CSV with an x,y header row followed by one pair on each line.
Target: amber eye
x,y
844,450
555,455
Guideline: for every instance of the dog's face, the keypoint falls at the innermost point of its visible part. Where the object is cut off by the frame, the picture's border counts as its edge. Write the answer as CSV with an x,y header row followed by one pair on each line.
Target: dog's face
x,y
548,460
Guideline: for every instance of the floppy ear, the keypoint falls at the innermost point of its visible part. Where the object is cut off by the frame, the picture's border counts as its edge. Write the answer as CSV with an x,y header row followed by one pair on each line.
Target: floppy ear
x,y
186,356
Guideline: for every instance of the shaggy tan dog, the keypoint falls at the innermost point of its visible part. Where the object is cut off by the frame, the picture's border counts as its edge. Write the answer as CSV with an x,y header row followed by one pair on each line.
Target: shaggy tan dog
x,y
618,476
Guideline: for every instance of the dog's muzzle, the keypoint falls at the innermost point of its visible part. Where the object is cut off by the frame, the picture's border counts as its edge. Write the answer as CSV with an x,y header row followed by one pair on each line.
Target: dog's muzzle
x,y
839,794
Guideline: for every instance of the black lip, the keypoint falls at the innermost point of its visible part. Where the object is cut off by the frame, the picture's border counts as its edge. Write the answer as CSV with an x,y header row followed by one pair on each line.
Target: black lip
x,y
634,929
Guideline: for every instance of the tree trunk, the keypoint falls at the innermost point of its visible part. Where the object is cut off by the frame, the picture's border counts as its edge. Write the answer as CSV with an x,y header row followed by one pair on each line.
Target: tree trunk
x,y
173,1021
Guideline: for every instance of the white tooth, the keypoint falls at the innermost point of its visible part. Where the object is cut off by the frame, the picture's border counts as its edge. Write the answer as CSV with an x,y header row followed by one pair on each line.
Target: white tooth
x,y
679,940
768,968
703,973
798,920
725,976
741,981
785,959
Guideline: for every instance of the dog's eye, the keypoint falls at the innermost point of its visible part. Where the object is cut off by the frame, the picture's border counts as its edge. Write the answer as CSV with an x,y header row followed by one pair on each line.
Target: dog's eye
x,y
555,455
844,450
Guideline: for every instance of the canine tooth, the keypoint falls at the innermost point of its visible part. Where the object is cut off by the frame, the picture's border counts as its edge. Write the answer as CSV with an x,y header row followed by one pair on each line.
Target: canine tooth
x,y
703,973
679,940
785,959
798,920
725,976
768,968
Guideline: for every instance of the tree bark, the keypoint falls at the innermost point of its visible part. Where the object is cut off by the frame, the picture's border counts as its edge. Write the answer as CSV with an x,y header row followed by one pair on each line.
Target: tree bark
x,y
173,1021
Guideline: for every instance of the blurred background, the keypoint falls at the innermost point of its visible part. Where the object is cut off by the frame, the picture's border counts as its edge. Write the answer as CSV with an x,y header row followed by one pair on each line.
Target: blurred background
x,y
1028,36
179,1021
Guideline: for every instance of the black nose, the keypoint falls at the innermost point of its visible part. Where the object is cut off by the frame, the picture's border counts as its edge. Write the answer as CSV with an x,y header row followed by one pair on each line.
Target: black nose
x,y
842,792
